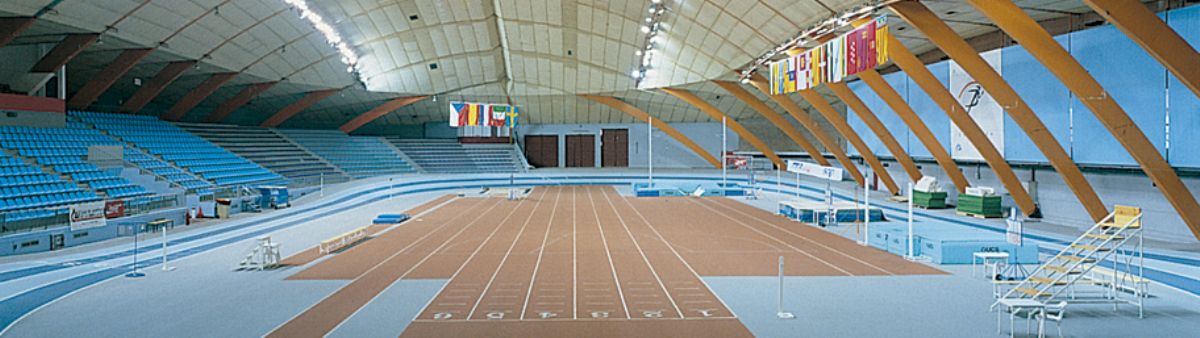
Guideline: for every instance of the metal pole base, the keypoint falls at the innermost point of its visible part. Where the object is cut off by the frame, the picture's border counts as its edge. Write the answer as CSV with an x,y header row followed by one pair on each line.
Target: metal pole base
x,y
785,315
861,243
135,275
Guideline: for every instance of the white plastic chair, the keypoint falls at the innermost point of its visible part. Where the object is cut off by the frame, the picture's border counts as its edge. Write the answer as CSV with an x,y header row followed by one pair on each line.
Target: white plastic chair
x,y
1053,312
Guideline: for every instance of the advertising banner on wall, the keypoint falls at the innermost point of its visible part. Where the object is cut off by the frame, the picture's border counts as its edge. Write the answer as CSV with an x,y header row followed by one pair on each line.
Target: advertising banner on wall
x,y
984,109
114,209
815,170
87,215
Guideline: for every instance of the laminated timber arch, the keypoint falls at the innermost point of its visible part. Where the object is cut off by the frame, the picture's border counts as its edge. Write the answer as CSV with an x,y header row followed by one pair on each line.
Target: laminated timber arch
x,y
864,113
717,114
918,127
1158,39
776,119
920,75
800,115
825,109
629,109
940,34
1070,72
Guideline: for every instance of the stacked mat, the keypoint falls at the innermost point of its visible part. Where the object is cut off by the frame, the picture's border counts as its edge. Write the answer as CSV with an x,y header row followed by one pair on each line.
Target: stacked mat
x,y
929,200
982,206
390,218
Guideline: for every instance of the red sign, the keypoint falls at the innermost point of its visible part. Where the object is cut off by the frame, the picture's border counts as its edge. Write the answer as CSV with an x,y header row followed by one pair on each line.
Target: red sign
x,y
114,209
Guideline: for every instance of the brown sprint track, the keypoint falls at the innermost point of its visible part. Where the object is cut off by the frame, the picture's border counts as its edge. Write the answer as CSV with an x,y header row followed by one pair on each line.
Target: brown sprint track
x,y
582,261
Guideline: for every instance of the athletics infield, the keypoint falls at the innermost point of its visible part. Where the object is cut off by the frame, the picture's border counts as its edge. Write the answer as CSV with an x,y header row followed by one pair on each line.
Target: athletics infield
x,y
578,261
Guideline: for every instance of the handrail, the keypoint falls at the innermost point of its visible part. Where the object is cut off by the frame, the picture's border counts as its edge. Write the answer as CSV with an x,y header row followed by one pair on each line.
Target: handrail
x,y
1082,260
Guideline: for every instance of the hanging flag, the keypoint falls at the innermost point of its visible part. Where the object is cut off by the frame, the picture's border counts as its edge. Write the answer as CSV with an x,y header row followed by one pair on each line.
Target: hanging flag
x,y
861,49
511,117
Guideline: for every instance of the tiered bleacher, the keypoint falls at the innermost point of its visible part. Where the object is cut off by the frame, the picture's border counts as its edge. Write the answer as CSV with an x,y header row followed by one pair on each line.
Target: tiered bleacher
x,y
27,192
268,149
450,156
167,142
64,150
359,156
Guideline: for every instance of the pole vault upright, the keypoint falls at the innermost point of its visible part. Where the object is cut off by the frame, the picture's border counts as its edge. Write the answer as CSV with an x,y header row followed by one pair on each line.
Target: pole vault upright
x,y
650,153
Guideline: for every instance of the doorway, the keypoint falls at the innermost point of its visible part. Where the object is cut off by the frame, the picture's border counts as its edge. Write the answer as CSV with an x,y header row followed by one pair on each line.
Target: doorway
x,y
581,151
614,148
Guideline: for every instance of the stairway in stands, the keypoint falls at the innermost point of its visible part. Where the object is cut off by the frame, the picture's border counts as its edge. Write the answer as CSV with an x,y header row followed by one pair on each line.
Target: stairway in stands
x,y
358,156
1063,276
452,157
270,150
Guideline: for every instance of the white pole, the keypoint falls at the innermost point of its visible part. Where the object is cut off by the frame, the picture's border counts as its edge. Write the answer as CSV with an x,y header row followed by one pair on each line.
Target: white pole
x,y
909,255
390,186
322,184
797,185
650,154
780,313
164,250
724,161
867,198
779,181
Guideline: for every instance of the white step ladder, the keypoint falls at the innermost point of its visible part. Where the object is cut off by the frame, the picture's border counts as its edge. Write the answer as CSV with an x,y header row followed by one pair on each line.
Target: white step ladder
x,y
265,255
1067,275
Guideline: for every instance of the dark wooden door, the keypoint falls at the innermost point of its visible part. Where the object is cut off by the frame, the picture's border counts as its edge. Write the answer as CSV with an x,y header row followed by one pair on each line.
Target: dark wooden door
x,y
542,150
614,148
581,151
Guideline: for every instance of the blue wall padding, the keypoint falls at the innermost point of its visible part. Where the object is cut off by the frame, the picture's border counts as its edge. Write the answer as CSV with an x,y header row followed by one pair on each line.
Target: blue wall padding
x,y
1184,106
1133,79
873,102
1046,96
929,112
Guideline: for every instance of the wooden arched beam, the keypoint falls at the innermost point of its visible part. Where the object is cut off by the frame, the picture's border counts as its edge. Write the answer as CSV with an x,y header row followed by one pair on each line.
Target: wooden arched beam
x,y
237,101
918,127
938,32
629,109
839,124
776,119
868,117
717,115
958,115
300,105
830,144
152,88
1158,39
109,75
1071,73
198,94
379,111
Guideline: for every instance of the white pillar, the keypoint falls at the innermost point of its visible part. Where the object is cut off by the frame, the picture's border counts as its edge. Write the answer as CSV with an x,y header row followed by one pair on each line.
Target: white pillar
x,y
909,255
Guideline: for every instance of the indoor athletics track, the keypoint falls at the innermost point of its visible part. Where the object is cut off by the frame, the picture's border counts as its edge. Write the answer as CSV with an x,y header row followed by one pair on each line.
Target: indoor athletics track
x,y
581,260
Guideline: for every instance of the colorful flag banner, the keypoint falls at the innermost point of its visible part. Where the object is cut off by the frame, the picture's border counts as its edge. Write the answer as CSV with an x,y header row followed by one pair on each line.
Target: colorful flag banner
x,y
859,50
464,114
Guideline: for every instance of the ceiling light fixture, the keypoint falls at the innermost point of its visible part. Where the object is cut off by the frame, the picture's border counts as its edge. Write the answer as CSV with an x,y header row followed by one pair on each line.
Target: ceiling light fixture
x,y
812,33
652,39
349,56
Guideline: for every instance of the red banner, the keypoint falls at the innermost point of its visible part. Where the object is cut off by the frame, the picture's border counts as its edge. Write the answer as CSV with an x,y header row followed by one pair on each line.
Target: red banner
x,y
114,209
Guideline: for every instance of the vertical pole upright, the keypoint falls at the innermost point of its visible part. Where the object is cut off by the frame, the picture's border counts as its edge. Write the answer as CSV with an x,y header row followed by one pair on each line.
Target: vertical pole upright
x,y
650,154
165,267
909,255
135,273
322,184
724,152
780,313
867,197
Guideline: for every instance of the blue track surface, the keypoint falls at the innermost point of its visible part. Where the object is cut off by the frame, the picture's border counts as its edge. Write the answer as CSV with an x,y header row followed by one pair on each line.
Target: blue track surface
x,y
21,304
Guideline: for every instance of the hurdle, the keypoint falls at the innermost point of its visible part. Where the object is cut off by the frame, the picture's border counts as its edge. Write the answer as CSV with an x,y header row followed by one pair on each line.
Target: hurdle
x,y
341,241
